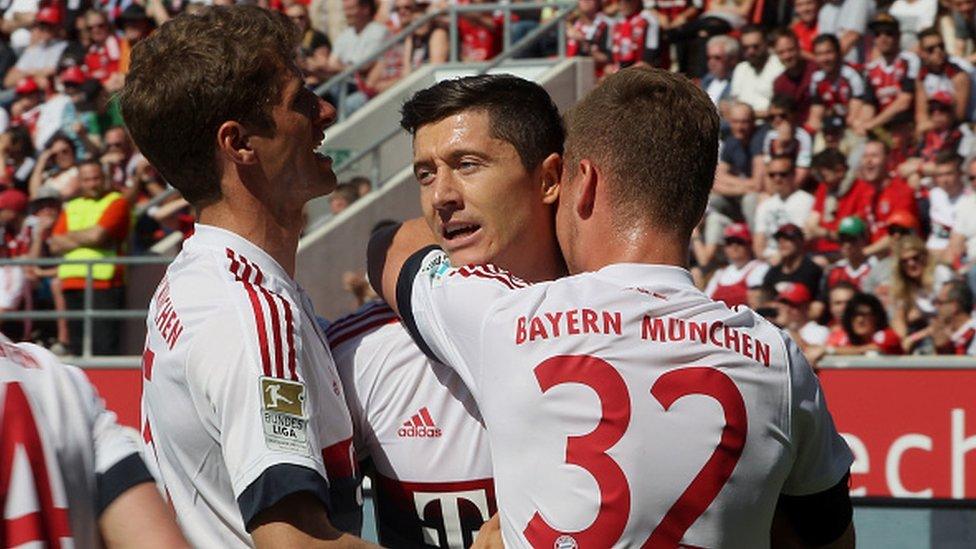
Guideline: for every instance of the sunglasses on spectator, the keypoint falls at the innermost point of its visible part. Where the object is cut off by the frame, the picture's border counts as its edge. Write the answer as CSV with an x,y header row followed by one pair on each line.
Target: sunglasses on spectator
x,y
778,116
863,312
97,26
934,47
735,241
886,32
848,238
63,150
297,17
719,57
748,47
777,175
898,230
917,258
406,9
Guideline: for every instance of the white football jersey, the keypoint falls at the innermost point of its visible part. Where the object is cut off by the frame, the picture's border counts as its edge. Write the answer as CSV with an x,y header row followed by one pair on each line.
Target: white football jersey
x,y
241,402
63,456
624,407
418,426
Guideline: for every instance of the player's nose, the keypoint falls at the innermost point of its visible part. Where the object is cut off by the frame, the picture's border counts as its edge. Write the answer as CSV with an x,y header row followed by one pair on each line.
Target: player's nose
x,y
326,115
446,196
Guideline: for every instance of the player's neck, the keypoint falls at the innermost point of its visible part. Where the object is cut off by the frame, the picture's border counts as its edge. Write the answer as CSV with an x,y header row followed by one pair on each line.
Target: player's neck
x,y
276,233
608,245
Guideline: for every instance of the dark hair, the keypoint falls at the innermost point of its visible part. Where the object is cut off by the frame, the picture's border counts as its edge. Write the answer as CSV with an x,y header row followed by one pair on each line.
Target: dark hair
x,y
19,134
784,32
961,294
882,142
784,102
61,136
519,111
829,158
197,72
827,38
346,190
655,134
371,4
948,157
753,28
877,310
925,33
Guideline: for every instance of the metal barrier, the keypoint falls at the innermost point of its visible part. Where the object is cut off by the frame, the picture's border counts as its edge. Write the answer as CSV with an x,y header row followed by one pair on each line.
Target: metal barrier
x,y
339,84
88,314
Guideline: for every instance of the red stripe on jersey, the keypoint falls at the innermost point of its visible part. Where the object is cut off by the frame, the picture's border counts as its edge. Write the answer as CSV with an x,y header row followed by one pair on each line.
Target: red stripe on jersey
x,y
275,330
426,415
37,526
417,421
256,308
290,330
339,339
491,272
349,321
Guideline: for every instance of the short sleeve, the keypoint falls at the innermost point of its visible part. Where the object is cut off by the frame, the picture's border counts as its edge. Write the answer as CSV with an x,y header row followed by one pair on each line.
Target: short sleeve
x,y
268,452
854,15
444,308
118,463
757,275
115,219
821,458
804,156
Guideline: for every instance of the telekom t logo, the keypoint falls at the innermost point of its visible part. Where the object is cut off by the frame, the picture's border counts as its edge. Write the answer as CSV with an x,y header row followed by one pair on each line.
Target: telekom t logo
x,y
451,513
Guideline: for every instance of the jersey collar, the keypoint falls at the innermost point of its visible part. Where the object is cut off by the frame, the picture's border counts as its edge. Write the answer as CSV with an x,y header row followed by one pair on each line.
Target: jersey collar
x,y
214,237
658,275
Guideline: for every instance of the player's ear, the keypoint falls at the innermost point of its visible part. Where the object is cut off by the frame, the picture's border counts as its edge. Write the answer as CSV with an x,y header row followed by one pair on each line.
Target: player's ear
x,y
587,182
233,143
551,169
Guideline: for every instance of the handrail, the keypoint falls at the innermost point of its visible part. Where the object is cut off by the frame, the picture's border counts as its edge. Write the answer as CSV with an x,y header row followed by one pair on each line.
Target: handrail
x,y
117,260
452,11
155,201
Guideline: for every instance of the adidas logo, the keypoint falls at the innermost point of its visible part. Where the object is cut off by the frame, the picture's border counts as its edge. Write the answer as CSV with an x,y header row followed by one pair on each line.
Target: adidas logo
x,y
421,425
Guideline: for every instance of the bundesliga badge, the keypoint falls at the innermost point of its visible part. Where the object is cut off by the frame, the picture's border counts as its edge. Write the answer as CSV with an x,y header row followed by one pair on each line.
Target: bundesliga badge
x,y
283,414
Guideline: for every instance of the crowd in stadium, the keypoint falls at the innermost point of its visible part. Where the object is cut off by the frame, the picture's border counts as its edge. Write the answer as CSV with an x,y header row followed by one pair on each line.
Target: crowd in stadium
x,y
842,207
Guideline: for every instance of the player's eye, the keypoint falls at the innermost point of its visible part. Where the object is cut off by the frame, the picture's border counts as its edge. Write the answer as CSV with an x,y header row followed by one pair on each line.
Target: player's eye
x,y
467,166
423,175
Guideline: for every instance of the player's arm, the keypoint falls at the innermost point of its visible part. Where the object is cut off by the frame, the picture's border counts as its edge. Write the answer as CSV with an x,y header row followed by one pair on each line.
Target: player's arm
x,y
798,520
299,520
139,518
389,250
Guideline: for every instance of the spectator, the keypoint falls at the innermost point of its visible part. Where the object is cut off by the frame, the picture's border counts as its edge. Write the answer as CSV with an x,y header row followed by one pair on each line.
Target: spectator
x,y
588,34
833,131
915,281
944,199
105,53
315,48
47,293
953,326
723,54
752,79
794,264
428,45
900,225
788,204
14,289
891,194
805,28
837,298
635,37
361,39
136,25
793,303
57,168
16,158
913,16
853,266
866,329
797,71
342,197
481,34
671,16
785,137
837,196
944,135
58,112
847,20
740,282
962,23
837,88
40,60
363,185
740,161
961,251
891,75
938,76
689,31
92,226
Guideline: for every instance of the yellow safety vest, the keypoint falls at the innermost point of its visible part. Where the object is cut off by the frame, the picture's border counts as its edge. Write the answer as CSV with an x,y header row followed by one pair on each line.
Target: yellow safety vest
x,y
82,213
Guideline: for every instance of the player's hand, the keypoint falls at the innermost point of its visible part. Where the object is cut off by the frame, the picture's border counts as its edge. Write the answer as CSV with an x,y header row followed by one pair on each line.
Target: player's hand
x,y
490,535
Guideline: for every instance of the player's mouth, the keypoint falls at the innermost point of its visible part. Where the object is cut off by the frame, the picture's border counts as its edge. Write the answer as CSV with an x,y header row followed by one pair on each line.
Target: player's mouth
x,y
323,159
458,234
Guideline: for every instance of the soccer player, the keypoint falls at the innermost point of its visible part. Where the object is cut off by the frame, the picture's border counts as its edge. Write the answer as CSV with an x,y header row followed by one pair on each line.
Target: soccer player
x,y
243,413
414,422
69,474
623,406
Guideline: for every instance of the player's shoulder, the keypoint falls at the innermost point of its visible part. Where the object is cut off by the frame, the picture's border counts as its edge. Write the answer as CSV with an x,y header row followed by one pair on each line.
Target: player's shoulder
x,y
366,326
850,73
62,390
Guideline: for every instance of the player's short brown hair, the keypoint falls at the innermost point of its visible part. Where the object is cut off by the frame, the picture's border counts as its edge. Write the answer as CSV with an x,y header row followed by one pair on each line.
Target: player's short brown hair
x,y
655,135
197,72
